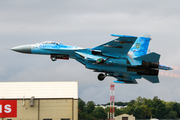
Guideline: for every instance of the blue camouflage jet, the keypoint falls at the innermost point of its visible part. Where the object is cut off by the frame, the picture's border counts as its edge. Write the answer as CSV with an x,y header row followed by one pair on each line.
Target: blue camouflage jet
x,y
124,58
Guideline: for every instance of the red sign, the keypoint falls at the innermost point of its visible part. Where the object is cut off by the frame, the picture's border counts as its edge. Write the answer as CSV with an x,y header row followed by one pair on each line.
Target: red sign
x,y
8,108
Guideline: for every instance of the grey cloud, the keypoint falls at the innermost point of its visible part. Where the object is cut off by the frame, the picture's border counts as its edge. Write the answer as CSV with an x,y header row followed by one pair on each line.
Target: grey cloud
x,y
88,24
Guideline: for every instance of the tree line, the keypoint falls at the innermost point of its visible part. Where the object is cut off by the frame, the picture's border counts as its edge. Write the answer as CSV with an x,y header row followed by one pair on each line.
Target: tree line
x,y
141,108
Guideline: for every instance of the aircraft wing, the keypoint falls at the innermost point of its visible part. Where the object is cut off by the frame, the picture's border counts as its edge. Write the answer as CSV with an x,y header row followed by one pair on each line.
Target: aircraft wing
x,y
117,47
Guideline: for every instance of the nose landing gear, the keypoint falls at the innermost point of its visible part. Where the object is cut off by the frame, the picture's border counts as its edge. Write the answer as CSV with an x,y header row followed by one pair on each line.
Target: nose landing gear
x,y
101,76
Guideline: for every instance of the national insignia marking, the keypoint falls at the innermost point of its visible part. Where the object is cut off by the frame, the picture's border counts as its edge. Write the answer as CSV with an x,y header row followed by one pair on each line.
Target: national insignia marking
x,y
138,45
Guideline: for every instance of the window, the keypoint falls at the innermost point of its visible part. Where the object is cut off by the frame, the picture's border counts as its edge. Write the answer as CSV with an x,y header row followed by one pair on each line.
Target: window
x,y
124,118
65,118
50,42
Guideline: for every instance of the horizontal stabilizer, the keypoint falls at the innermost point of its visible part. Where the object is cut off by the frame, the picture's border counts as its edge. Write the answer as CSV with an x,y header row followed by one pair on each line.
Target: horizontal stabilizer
x,y
126,82
118,81
151,57
126,79
115,35
152,79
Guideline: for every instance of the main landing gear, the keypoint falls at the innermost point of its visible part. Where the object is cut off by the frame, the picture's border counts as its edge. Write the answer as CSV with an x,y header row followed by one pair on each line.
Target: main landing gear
x,y
53,58
101,76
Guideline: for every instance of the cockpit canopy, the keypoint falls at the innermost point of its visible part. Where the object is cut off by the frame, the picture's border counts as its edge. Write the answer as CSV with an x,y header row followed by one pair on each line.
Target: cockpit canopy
x,y
50,42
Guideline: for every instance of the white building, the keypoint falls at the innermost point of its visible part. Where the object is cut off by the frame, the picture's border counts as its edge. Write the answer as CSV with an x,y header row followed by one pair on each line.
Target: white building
x,y
39,100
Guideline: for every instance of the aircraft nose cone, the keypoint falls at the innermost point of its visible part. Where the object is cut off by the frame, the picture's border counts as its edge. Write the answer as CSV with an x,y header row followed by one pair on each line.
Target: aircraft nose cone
x,y
22,49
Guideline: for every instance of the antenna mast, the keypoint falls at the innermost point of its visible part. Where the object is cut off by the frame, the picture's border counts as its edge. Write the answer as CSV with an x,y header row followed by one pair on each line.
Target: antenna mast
x,y
112,101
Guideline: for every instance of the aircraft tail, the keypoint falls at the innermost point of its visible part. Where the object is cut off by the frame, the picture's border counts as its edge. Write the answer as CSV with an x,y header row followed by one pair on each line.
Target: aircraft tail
x,y
151,57
140,47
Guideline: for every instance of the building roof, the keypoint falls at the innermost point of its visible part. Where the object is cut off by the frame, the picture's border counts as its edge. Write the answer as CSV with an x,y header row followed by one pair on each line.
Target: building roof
x,y
12,90
125,115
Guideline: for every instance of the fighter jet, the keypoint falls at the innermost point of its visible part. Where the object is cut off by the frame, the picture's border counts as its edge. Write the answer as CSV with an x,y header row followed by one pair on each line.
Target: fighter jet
x,y
124,58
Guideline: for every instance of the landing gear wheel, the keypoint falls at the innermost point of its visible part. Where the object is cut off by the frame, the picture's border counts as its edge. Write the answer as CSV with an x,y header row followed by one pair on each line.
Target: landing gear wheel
x,y
101,77
100,60
53,58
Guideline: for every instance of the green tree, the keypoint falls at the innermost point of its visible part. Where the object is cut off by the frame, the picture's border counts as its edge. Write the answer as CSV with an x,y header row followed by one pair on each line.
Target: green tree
x,y
159,108
137,112
178,111
172,115
132,101
139,101
106,110
129,109
141,108
81,113
121,103
81,104
118,112
168,109
99,113
145,111
90,106
172,110
176,107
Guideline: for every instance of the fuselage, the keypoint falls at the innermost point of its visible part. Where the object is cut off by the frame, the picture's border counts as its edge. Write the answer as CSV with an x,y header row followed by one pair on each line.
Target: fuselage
x,y
84,56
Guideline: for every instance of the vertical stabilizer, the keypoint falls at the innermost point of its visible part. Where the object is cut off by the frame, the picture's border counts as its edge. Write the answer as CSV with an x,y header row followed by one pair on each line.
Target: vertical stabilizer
x,y
140,47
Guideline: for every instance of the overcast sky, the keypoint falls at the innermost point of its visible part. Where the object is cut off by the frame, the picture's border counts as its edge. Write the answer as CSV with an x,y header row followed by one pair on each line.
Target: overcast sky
x,y
89,23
